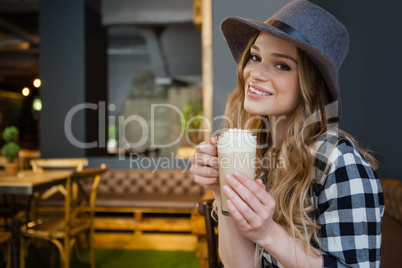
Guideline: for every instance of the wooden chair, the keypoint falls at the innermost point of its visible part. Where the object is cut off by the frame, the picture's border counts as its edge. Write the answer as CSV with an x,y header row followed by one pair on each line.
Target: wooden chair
x,y
25,156
40,164
204,207
5,243
58,163
76,219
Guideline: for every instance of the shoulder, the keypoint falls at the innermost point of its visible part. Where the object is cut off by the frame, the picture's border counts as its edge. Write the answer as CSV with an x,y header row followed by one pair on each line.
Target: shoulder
x,y
336,149
347,196
337,154
333,144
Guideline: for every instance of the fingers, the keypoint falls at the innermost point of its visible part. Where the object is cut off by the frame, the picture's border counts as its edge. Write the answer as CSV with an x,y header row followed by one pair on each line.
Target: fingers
x,y
236,214
204,171
200,159
250,204
205,155
249,189
214,141
206,182
205,176
260,183
239,210
204,166
207,148
243,198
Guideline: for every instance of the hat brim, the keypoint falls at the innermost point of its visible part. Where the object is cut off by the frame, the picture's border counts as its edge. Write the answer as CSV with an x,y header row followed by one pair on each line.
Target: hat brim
x,y
238,32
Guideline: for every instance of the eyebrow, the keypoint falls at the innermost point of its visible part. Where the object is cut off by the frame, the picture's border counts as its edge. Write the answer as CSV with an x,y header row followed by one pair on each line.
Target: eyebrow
x,y
276,54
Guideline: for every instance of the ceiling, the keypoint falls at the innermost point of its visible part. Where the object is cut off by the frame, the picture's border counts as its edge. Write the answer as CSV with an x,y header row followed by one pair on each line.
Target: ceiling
x,y
19,44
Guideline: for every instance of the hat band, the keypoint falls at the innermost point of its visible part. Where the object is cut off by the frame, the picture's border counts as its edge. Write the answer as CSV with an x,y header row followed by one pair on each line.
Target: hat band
x,y
287,29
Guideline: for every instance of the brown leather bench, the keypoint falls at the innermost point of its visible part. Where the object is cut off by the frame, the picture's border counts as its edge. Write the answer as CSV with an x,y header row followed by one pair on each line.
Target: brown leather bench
x,y
154,207
162,189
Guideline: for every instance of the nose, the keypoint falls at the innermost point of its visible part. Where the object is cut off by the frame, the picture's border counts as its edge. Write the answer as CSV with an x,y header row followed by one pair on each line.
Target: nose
x,y
260,72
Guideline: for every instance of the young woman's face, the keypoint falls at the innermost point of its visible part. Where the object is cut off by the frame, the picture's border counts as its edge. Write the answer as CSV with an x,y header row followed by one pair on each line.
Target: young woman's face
x,y
271,77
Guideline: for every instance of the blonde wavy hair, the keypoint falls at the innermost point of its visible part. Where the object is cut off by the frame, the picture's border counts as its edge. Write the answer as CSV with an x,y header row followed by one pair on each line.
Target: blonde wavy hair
x,y
289,185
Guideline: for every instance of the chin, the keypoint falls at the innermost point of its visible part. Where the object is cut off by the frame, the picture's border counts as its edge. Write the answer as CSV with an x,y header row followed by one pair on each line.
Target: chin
x,y
253,108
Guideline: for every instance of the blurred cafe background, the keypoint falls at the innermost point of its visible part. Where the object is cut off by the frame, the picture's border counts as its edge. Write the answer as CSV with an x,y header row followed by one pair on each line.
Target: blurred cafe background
x,y
123,56
137,84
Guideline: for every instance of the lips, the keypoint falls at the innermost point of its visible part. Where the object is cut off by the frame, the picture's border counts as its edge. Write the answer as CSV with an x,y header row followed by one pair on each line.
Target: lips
x,y
255,91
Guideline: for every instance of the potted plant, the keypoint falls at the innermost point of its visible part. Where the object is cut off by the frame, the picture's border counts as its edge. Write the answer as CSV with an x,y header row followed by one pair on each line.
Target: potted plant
x,y
191,122
11,149
190,125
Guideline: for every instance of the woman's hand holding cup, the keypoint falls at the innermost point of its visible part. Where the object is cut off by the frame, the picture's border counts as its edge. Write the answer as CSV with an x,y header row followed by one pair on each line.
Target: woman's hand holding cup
x,y
204,165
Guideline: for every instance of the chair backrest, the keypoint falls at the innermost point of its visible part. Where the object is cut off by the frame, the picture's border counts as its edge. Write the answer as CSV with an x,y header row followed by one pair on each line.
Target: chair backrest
x,y
93,173
58,163
39,164
77,205
26,155
205,207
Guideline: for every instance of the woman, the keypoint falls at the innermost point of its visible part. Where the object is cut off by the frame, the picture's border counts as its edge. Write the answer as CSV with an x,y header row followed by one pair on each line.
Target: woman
x,y
322,206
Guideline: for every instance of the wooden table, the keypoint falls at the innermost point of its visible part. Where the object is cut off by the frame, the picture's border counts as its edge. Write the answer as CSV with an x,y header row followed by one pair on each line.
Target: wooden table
x,y
27,183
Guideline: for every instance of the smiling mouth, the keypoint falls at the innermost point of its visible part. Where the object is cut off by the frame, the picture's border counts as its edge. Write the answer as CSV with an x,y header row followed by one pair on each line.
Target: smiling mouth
x,y
259,92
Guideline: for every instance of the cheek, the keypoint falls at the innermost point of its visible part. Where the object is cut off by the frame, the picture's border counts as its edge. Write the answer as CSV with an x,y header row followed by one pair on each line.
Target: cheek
x,y
246,76
295,94
290,86
290,91
296,88
246,72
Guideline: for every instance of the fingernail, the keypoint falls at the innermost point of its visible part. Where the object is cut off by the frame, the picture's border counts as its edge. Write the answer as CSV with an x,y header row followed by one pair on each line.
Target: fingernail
x,y
236,173
199,145
229,177
204,145
226,189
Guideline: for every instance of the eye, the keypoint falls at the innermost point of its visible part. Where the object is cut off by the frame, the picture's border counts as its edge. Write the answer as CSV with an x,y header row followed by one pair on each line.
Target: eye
x,y
282,67
254,57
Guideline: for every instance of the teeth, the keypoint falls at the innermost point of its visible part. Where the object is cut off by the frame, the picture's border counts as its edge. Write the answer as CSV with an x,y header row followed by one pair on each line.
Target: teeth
x,y
259,92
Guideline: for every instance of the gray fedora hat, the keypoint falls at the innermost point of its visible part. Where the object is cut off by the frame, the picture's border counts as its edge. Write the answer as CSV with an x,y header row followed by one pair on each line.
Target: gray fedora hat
x,y
311,28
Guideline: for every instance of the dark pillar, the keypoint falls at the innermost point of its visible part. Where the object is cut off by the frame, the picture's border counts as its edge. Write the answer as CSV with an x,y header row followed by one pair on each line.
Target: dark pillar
x,y
73,66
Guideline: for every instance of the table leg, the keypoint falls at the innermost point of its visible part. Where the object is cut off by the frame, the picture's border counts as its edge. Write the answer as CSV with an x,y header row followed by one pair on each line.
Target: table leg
x,y
15,234
27,219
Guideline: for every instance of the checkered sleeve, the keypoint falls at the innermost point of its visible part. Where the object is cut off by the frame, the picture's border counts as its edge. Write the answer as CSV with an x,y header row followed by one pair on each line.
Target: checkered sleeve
x,y
350,205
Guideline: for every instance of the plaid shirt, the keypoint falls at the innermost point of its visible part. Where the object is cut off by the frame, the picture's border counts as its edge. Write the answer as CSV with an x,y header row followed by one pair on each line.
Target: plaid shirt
x,y
349,205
